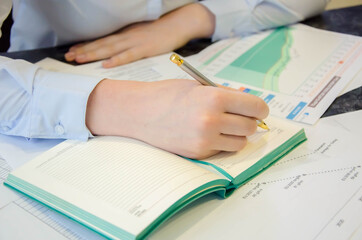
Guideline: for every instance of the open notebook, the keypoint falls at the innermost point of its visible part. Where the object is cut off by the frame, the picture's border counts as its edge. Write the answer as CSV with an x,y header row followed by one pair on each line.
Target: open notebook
x,y
123,188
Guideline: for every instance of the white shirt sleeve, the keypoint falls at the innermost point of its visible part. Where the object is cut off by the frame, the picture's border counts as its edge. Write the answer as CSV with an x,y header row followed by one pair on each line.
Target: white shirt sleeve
x,y
36,103
244,17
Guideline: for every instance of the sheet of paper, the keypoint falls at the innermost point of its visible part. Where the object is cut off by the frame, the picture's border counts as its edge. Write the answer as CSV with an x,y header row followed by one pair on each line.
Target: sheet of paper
x,y
298,70
34,219
146,70
53,65
6,194
355,83
17,224
357,235
19,150
298,78
315,193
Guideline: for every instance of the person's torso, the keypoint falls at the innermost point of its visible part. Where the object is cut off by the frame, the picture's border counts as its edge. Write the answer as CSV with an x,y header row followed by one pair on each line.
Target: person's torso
x,y
46,23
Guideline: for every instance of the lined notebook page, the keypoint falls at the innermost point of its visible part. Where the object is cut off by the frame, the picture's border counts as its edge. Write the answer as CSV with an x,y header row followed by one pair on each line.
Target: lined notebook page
x,y
116,178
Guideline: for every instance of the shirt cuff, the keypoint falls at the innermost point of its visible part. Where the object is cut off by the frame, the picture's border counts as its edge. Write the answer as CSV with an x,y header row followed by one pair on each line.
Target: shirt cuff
x,y
59,104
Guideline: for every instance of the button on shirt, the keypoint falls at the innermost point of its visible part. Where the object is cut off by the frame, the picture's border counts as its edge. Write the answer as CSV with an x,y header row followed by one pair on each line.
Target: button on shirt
x,y
36,103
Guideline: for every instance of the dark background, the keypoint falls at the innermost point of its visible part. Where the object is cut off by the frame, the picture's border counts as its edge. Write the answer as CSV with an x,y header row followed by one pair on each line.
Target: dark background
x,y
5,29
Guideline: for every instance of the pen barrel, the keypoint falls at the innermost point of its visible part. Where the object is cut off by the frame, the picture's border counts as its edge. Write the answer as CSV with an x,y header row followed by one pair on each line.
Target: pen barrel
x,y
196,74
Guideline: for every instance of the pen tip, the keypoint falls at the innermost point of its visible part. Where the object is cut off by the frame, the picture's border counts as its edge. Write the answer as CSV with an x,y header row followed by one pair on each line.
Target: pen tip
x,y
263,125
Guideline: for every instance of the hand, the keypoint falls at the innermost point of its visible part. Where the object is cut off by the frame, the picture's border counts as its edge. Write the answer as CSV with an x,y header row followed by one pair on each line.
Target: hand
x,y
179,115
146,39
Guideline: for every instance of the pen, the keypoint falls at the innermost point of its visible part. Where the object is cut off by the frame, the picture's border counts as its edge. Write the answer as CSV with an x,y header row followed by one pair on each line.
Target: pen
x,y
193,72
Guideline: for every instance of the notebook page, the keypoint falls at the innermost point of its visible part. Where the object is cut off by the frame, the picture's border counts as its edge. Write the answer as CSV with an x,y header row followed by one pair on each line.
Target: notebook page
x,y
124,181
259,144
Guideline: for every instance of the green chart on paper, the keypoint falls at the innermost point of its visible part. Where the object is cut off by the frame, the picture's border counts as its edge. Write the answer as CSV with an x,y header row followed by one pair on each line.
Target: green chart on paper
x,y
262,64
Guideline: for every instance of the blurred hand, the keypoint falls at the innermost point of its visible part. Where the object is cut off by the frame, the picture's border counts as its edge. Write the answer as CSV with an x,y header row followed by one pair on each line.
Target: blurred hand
x,y
147,39
179,115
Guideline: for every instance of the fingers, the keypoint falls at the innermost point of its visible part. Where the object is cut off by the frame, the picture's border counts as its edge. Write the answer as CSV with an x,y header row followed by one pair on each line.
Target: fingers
x,y
233,130
97,50
71,54
227,130
230,143
236,125
234,101
124,57
119,53
87,47
76,46
246,104
208,147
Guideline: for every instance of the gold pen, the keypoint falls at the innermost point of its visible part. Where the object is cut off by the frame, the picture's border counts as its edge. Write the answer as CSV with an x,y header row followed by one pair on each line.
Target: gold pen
x,y
193,72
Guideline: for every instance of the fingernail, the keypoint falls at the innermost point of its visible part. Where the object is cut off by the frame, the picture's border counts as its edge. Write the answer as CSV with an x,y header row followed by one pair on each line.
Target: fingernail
x,y
69,56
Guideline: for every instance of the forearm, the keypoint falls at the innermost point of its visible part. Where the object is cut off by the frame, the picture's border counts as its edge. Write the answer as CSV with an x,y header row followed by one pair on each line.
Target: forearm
x,y
113,108
189,22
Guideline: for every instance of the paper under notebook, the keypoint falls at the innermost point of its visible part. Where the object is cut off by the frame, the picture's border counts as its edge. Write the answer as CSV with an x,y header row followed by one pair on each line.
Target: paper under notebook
x,y
298,70
123,188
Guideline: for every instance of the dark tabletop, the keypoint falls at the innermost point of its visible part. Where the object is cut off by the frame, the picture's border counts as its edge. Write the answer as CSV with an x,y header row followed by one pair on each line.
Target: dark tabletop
x,y
344,20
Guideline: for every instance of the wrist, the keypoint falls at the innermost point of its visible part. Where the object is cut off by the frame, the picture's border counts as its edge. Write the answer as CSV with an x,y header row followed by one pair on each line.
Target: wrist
x,y
111,108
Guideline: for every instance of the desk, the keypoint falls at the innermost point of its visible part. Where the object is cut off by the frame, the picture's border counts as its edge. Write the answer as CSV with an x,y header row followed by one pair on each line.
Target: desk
x,y
350,101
